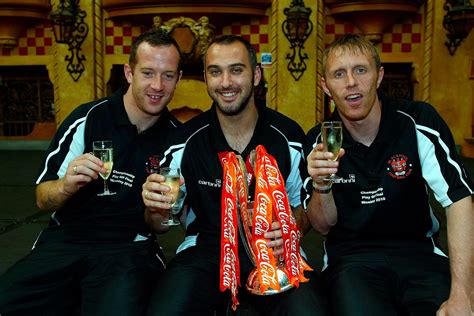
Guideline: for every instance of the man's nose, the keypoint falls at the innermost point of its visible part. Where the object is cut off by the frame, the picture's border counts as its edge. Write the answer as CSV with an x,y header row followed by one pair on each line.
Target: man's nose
x,y
226,79
156,83
351,80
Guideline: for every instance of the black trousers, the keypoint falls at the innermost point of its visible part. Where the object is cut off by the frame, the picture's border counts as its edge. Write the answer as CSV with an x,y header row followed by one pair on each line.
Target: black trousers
x,y
387,283
190,286
63,278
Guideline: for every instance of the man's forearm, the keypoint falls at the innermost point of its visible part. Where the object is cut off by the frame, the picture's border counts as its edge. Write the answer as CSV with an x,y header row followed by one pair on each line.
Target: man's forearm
x,y
50,195
302,220
460,226
322,212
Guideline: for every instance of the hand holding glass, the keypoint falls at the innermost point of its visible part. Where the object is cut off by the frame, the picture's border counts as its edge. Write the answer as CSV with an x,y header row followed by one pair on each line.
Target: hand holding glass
x,y
331,133
104,151
172,180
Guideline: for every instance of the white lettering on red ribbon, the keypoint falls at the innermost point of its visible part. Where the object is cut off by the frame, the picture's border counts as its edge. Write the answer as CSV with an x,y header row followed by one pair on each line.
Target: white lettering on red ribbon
x,y
272,174
262,224
228,268
228,183
268,272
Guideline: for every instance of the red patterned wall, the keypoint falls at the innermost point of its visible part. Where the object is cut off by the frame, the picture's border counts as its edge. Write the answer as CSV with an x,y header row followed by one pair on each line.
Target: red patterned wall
x,y
120,35
35,41
404,37
256,31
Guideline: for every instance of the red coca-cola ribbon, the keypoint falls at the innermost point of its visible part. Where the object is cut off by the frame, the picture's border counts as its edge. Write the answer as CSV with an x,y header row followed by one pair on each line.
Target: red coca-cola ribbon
x,y
233,191
270,200
270,181
262,221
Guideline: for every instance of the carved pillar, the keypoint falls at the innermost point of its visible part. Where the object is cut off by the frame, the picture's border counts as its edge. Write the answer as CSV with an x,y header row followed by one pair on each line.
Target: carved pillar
x,y
320,33
427,51
98,26
272,99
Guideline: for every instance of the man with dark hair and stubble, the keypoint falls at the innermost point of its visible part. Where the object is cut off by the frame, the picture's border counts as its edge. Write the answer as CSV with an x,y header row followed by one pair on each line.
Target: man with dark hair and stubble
x,y
203,276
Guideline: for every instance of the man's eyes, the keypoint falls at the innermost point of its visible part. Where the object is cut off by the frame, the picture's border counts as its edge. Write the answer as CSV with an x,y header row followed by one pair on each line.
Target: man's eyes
x,y
339,74
166,76
169,77
357,71
233,71
236,70
360,70
214,72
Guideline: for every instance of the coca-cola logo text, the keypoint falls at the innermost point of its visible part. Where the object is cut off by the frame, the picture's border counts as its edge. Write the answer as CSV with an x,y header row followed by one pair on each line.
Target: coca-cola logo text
x,y
265,267
228,267
261,223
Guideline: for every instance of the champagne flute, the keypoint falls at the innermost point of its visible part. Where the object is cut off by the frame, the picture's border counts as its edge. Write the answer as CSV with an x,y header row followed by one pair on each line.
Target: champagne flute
x,y
104,151
331,133
172,176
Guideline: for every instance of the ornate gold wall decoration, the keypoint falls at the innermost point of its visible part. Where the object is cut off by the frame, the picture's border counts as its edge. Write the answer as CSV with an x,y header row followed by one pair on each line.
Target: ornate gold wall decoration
x,y
69,26
297,27
193,37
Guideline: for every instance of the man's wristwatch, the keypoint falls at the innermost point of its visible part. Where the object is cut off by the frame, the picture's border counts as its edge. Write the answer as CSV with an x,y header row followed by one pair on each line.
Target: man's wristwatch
x,y
321,189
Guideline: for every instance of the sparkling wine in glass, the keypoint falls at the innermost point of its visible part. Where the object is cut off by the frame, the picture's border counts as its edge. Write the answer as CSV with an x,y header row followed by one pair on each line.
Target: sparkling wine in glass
x,y
331,133
104,151
172,176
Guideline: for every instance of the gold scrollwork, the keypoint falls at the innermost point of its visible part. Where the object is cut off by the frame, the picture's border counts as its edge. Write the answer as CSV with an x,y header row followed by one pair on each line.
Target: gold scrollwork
x,y
193,37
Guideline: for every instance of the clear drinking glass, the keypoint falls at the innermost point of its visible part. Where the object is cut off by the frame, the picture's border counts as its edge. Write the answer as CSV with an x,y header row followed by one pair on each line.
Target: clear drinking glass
x,y
331,134
172,176
103,150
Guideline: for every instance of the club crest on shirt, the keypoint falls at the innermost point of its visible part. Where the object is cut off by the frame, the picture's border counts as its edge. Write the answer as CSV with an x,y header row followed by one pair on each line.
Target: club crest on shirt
x,y
399,167
153,164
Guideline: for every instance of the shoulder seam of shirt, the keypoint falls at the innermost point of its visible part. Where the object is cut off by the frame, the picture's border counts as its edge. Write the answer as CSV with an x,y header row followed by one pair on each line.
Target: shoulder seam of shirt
x,y
180,146
442,144
290,143
71,127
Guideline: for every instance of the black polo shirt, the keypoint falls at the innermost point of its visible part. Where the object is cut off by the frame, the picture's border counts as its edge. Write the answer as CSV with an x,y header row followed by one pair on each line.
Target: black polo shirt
x,y
196,151
86,216
384,193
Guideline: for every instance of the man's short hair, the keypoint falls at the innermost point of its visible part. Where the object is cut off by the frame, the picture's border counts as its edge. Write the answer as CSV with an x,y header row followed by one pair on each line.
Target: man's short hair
x,y
354,43
229,39
154,37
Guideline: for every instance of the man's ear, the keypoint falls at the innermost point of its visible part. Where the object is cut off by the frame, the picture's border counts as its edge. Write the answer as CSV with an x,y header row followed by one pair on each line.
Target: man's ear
x,y
257,76
325,87
380,77
127,70
179,77
204,75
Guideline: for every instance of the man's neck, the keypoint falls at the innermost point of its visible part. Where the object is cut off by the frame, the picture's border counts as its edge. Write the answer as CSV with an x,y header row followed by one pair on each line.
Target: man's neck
x,y
238,129
365,131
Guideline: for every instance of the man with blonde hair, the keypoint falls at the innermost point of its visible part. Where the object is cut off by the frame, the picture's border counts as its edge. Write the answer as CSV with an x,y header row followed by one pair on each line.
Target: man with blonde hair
x,y
382,254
